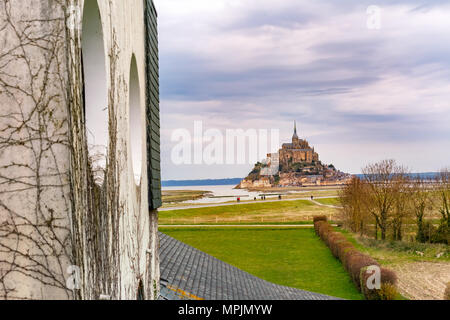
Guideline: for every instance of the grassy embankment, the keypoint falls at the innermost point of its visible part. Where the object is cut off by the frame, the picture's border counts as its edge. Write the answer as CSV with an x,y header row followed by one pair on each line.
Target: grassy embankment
x,y
423,269
175,196
297,211
330,201
290,257
286,267
398,252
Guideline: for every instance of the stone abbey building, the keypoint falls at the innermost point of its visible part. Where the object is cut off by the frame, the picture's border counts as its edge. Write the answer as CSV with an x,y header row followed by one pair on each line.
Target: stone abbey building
x,y
297,151
296,164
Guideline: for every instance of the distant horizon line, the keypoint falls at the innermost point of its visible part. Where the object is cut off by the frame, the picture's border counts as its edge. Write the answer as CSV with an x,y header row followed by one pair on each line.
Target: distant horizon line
x,y
165,180
237,178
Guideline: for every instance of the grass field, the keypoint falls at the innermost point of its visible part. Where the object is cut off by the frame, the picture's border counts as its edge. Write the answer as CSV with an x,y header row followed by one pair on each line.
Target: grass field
x,y
267,212
330,201
176,196
291,257
397,252
315,193
423,269
314,189
294,257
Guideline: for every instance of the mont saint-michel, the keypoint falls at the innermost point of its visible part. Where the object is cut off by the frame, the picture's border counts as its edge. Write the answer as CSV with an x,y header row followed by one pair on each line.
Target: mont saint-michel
x,y
296,164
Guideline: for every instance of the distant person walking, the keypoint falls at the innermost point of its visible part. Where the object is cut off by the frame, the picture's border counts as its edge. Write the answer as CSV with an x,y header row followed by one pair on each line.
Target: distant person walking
x,y
312,197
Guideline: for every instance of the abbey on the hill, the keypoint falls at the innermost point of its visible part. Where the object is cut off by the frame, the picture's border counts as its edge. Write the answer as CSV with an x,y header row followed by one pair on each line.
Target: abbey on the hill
x,y
297,151
295,164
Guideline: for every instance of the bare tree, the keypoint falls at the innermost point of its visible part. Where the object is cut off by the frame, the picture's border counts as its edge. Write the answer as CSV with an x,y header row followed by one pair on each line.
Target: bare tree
x,y
401,185
444,194
381,198
421,202
352,198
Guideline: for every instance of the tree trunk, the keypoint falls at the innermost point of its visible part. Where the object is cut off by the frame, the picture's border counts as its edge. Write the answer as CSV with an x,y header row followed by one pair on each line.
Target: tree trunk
x,y
420,230
376,230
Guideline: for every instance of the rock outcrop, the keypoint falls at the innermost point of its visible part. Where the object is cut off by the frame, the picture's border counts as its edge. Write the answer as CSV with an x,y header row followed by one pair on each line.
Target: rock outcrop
x,y
295,165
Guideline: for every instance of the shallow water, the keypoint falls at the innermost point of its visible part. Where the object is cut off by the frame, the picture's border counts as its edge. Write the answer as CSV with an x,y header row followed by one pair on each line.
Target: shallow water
x,y
225,193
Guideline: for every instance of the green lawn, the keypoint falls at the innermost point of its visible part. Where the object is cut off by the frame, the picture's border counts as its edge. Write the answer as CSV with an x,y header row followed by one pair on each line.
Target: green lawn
x,y
176,196
330,201
279,211
398,252
290,257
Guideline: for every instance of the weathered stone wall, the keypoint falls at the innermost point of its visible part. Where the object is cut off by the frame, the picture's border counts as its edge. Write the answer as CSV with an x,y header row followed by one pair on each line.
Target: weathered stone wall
x,y
52,213
35,202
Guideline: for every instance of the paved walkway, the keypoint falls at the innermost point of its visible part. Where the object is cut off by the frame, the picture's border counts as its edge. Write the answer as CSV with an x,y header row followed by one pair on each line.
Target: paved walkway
x,y
241,203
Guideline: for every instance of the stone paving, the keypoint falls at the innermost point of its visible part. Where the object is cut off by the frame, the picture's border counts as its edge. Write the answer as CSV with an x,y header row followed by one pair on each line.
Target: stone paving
x,y
188,273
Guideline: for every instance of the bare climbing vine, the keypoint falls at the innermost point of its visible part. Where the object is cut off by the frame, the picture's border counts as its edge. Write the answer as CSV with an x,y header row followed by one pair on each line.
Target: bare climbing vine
x,y
53,214
95,206
35,239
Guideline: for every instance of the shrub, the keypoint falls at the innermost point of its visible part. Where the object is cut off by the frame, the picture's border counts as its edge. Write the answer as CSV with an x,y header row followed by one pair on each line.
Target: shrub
x,y
317,226
447,292
356,263
432,234
441,234
388,276
324,229
320,218
387,291
428,231
331,235
334,242
345,248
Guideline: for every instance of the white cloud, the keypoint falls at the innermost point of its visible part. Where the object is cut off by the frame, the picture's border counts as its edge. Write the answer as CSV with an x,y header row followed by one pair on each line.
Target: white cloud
x,y
263,63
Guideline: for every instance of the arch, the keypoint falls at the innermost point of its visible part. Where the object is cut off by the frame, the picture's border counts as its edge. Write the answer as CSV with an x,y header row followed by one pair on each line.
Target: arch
x,y
95,88
135,124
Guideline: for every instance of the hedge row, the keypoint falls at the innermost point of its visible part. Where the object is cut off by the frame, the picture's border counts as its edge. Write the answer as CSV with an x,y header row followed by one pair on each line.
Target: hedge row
x,y
356,263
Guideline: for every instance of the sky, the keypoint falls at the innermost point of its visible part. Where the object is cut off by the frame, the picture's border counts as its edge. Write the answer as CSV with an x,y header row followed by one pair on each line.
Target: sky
x,y
362,87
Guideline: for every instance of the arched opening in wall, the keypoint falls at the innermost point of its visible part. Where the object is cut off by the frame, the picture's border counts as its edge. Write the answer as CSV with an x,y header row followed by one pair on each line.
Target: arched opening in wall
x,y
95,88
135,123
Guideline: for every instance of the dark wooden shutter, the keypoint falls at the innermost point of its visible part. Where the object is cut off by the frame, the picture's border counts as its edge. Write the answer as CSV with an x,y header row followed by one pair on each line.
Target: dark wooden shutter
x,y
152,106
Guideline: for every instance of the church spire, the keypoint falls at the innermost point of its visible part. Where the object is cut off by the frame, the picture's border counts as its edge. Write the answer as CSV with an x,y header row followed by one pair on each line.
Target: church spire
x,y
295,136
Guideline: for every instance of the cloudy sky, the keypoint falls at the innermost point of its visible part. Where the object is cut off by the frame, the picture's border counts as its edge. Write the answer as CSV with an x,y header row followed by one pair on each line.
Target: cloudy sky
x,y
358,94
